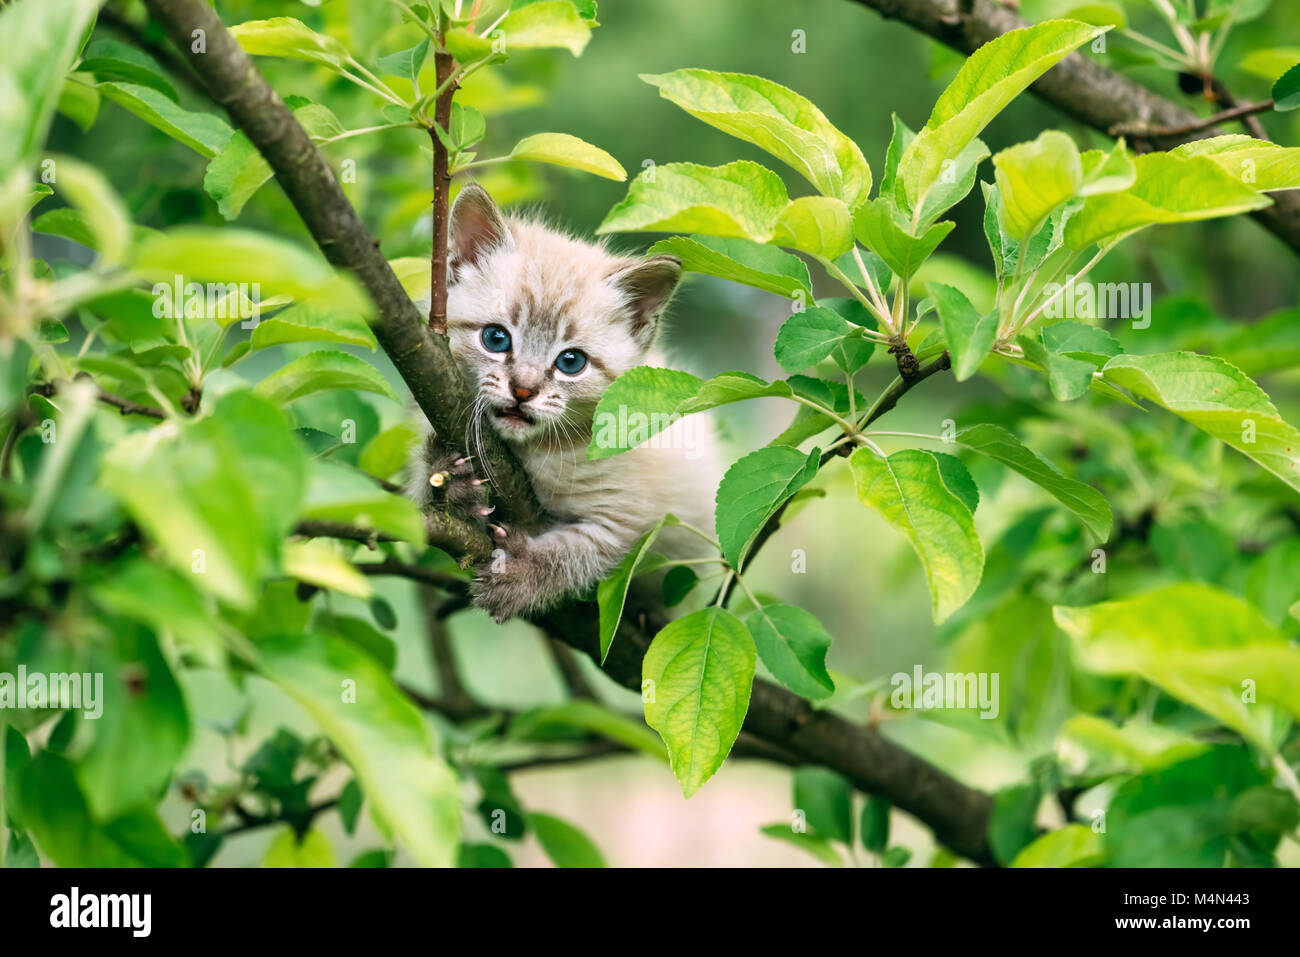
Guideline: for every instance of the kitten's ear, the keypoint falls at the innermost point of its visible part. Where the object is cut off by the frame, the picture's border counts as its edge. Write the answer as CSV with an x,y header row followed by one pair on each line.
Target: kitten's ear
x,y
647,285
476,227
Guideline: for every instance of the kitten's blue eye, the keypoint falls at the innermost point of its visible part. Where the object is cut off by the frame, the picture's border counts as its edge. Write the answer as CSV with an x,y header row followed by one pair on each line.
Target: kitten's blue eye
x,y
571,361
496,339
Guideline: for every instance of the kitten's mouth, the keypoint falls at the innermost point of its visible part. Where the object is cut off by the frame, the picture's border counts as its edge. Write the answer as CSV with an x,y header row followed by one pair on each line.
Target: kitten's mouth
x,y
515,415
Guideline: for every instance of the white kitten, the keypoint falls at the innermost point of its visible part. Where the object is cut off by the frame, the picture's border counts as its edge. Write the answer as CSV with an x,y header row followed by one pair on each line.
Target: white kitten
x,y
542,324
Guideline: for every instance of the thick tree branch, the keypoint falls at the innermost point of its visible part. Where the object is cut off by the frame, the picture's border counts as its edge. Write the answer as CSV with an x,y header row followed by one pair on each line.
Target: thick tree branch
x,y
423,360
1078,86
958,814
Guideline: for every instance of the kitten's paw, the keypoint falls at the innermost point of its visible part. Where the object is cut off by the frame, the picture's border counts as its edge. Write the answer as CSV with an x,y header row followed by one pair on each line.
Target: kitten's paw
x,y
452,481
506,584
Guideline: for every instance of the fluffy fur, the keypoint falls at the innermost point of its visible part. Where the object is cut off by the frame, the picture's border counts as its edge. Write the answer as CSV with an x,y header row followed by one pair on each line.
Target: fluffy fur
x,y
553,293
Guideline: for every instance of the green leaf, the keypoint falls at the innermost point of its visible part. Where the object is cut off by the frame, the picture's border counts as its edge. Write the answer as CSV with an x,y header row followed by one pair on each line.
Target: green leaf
x,y
818,847
808,337
482,855
141,731
55,814
1135,747
792,645
728,387
1201,645
991,77
79,100
818,225
222,492
854,350
109,59
205,133
826,800
229,256
1068,378
313,850
539,25
899,141
955,182
969,335
32,71
611,594
385,454
879,226
636,406
775,119
908,491
1270,62
1168,189
1259,164
319,563
1084,500
317,371
740,199
561,149
563,843
593,717
102,210
165,599
874,827
341,494
957,479
1011,824
1035,179
1179,816
404,63
1219,398
238,171
289,38
699,670
679,581
741,260
379,733
1072,846
753,489
1080,341
315,320
1107,172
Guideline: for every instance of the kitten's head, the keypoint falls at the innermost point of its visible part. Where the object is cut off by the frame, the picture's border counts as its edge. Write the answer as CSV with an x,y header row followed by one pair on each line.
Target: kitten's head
x,y
545,322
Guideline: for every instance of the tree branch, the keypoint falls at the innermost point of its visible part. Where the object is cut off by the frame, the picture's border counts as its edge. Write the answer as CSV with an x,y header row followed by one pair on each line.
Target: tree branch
x,y
444,66
957,814
125,406
1078,86
424,361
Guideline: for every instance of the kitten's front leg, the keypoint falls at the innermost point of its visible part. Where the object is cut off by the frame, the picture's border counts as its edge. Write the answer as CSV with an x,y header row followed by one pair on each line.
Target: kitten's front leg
x,y
529,573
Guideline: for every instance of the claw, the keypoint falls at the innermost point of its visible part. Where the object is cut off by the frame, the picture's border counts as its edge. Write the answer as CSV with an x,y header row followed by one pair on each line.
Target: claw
x,y
486,510
462,460
499,531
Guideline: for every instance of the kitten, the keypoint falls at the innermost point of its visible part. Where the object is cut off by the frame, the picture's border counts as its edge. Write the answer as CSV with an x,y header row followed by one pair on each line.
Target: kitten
x,y
542,324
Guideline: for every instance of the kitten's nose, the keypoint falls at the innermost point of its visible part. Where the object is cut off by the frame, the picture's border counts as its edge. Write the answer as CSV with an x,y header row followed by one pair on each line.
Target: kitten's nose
x,y
521,393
